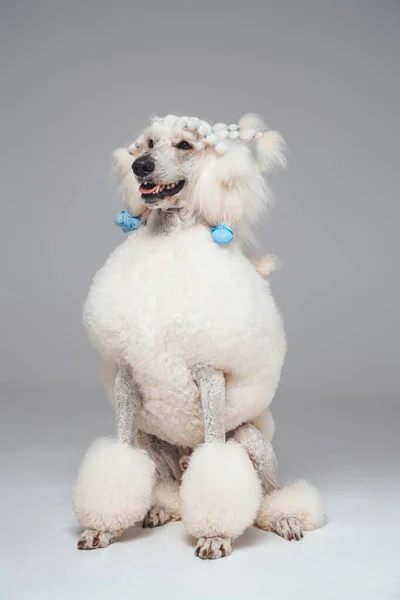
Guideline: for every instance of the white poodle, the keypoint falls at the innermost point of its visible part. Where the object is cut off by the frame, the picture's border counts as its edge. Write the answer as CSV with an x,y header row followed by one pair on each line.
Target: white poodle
x,y
191,345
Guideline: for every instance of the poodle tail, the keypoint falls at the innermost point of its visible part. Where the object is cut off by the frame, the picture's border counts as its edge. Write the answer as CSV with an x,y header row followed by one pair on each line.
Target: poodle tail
x,y
267,265
300,499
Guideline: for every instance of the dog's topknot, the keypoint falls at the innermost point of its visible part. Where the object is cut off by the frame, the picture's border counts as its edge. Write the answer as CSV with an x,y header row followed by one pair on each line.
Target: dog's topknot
x,y
251,128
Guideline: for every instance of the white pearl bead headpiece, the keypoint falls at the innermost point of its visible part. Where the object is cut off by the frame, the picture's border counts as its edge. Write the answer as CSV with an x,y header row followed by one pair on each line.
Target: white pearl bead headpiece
x,y
212,135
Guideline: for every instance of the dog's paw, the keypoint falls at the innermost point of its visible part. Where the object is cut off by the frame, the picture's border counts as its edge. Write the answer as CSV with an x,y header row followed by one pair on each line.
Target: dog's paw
x,y
92,539
184,462
213,547
157,516
288,527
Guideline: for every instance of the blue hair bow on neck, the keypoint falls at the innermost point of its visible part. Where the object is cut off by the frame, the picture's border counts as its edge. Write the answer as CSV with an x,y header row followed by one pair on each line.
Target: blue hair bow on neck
x,y
126,222
222,234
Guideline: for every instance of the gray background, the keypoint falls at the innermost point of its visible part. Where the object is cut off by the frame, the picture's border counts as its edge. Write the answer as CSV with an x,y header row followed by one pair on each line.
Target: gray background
x,y
79,79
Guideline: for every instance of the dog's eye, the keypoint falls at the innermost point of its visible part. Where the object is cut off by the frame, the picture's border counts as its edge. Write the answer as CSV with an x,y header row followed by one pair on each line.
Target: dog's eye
x,y
184,145
151,143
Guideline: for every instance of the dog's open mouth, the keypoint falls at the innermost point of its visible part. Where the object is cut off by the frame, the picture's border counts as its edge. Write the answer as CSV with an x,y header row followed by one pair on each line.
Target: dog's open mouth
x,y
151,191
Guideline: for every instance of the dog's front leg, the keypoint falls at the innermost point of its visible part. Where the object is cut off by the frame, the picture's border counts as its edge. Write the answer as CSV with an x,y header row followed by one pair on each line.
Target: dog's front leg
x,y
211,384
220,492
115,482
127,405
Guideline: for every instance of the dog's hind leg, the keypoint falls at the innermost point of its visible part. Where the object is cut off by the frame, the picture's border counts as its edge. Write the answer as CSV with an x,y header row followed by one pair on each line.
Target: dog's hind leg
x,y
288,511
115,482
220,491
165,504
261,453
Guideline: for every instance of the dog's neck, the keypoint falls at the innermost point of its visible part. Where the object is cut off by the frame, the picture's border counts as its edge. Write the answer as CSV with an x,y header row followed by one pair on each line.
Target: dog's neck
x,y
164,222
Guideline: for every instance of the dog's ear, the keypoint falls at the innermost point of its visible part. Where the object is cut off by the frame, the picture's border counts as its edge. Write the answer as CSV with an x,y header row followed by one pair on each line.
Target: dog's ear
x,y
231,190
129,187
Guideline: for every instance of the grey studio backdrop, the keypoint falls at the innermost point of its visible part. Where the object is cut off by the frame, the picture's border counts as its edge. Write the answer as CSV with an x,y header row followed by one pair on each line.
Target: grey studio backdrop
x,y
81,78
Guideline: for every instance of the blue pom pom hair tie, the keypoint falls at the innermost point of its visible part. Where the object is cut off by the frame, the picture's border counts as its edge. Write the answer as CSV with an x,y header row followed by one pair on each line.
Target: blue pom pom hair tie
x,y
126,221
222,234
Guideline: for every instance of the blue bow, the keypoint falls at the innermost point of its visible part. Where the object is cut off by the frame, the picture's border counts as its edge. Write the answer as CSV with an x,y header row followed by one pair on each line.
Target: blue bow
x,y
126,222
222,234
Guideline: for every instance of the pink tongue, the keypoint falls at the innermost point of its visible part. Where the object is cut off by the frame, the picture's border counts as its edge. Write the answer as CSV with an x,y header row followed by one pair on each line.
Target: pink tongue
x,y
145,190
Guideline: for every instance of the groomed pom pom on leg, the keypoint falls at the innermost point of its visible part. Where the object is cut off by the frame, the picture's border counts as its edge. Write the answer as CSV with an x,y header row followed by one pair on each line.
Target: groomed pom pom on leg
x,y
292,510
220,494
114,486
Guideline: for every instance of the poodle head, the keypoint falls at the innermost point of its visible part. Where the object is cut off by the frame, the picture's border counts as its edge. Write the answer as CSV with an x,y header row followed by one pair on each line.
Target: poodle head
x,y
214,173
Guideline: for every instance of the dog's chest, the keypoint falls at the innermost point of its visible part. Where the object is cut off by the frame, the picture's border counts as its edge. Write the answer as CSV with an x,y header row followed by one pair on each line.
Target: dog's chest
x,y
166,304
176,294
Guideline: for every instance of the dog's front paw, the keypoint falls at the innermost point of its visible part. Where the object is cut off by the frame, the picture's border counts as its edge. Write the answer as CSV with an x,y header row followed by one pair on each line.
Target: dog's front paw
x,y
92,539
184,462
288,527
158,516
213,547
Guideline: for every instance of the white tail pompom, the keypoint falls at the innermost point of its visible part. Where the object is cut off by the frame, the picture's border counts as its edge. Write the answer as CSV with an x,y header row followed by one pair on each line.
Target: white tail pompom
x,y
268,265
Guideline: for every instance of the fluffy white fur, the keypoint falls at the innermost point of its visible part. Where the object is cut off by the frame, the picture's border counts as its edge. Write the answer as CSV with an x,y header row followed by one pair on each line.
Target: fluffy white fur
x,y
167,303
114,486
266,424
220,189
230,189
267,265
300,499
128,185
166,496
220,492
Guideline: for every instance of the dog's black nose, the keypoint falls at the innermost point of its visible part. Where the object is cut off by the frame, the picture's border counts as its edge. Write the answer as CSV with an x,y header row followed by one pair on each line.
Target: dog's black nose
x,y
144,165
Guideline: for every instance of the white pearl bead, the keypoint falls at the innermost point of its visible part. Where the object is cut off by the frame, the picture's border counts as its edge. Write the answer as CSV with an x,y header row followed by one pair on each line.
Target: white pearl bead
x,y
221,148
193,123
247,135
211,139
203,129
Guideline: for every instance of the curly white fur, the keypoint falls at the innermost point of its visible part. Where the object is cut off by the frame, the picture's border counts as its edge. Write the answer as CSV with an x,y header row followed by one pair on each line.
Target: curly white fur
x,y
168,300
220,492
114,486
167,303
227,187
166,496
